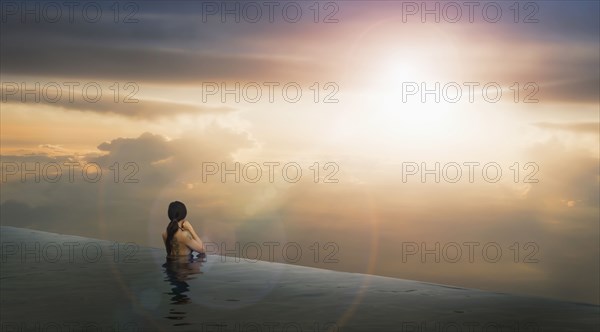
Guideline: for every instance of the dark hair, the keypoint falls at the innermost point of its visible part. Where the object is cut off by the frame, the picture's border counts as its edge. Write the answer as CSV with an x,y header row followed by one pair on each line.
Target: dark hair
x,y
176,212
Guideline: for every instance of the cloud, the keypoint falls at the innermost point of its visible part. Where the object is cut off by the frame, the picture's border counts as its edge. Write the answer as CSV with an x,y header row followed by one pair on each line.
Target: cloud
x,y
165,48
136,109
136,174
189,51
576,127
175,47
583,89
378,219
565,173
151,65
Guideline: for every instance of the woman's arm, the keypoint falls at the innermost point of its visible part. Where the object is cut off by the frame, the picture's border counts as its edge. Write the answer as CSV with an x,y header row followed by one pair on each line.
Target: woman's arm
x,y
187,226
194,245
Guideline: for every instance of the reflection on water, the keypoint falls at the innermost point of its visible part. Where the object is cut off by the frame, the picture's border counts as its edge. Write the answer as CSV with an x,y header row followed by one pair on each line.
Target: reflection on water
x,y
177,272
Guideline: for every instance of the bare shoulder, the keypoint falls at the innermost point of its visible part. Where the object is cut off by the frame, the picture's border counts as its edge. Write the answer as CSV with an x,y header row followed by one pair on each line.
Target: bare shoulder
x,y
183,234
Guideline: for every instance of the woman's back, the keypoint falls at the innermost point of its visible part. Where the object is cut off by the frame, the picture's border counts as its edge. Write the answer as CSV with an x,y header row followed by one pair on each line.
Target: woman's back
x,y
178,243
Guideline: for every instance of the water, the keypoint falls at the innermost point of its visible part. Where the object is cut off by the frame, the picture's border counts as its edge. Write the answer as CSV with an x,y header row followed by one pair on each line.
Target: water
x,y
53,282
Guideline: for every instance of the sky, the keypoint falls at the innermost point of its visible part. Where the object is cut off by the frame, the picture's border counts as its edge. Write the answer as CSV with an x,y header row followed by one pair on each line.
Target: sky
x,y
453,149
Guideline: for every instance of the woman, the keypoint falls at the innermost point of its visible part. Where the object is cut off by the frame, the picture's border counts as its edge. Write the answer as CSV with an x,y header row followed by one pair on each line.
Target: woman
x,y
180,238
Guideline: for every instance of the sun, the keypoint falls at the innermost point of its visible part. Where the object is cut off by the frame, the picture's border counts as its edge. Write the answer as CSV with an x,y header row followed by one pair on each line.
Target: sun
x,y
397,121
401,69
387,89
